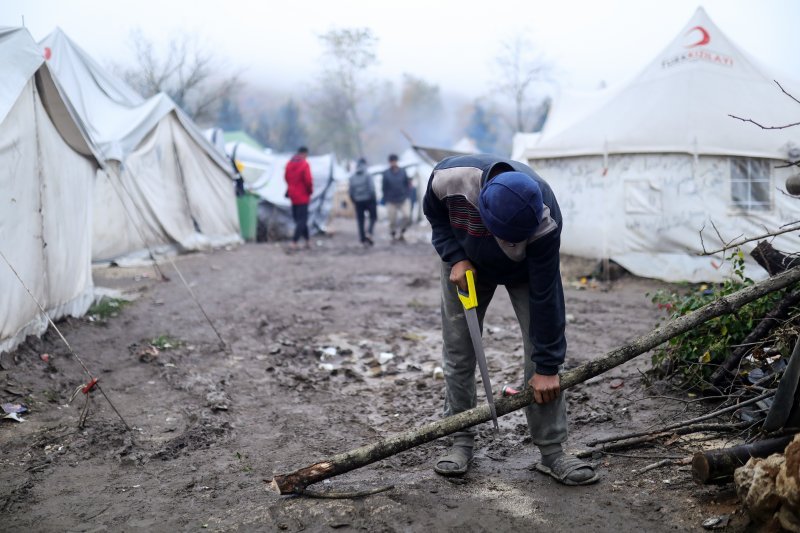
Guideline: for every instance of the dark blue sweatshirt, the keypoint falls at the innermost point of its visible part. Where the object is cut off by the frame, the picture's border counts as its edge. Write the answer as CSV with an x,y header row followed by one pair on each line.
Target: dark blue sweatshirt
x,y
450,204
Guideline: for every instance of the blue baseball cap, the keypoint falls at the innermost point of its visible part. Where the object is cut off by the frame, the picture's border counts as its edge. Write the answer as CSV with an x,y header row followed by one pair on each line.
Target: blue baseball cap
x,y
511,206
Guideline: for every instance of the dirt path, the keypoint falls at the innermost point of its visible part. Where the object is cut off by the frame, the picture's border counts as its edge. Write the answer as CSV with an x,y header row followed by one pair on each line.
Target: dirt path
x,y
301,381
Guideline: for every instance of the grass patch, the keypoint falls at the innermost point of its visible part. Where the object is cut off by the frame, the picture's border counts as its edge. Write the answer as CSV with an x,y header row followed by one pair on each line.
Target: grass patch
x,y
244,462
107,308
166,342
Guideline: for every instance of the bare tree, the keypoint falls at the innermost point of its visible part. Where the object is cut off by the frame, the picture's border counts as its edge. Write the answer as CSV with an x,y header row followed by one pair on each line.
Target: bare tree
x,y
343,88
520,70
422,110
190,74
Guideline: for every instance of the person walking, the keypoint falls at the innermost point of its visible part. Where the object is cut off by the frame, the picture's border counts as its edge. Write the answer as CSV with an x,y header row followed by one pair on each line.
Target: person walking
x,y
300,185
396,191
362,194
500,220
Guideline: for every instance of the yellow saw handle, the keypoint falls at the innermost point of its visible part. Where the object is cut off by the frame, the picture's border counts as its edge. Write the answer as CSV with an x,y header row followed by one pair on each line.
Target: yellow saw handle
x,y
470,298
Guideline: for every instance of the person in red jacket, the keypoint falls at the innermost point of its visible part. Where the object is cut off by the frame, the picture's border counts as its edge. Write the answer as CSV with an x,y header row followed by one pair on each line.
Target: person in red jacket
x,y
299,188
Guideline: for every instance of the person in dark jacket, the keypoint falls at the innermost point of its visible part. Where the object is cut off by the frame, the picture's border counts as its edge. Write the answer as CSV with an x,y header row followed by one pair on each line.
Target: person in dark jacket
x,y
362,193
299,185
396,191
498,218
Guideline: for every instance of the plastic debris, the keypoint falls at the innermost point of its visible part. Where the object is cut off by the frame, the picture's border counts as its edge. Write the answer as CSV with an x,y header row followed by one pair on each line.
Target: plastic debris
x,y
755,375
438,373
45,357
508,390
14,416
326,367
385,357
616,383
17,408
330,351
716,522
570,318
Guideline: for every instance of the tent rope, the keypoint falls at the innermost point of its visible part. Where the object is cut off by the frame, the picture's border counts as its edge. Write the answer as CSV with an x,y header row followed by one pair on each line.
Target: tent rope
x,y
197,302
152,254
155,263
64,339
132,221
222,343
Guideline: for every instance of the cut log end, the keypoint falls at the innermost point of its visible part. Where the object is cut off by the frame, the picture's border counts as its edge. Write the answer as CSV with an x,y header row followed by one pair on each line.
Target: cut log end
x,y
700,470
274,487
297,481
718,466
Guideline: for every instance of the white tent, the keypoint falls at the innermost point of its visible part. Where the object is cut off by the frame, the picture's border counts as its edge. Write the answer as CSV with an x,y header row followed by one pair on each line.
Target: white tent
x,y
166,185
641,169
263,173
46,171
256,166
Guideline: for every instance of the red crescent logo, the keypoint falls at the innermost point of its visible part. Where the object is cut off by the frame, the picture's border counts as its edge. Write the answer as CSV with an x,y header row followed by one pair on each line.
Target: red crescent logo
x,y
704,39
47,53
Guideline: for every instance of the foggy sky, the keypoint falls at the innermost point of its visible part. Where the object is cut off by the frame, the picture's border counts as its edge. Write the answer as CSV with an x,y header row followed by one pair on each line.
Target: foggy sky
x,y
451,43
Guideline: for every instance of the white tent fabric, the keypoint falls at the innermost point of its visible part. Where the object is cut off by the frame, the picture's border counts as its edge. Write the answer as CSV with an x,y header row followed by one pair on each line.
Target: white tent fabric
x,y
216,137
165,185
45,198
257,166
679,103
651,164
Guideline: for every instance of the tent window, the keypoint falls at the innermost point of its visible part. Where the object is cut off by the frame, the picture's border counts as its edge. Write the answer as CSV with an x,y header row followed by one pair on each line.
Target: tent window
x,y
750,184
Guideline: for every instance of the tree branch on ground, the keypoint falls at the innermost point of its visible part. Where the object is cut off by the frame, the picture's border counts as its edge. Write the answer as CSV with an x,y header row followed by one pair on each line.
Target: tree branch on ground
x,y
298,480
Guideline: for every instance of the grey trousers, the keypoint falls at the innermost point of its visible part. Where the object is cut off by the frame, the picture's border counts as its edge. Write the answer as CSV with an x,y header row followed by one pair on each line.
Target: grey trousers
x,y
547,423
399,214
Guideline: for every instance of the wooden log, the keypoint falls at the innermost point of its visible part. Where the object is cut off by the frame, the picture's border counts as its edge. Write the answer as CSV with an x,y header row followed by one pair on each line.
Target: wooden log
x,y
683,423
772,260
727,370
717,466
659,434
295,482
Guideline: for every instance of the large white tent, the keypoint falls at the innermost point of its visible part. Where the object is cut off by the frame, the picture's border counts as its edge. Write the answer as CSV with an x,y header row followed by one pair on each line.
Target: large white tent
x,y
46,171
165,185
641,169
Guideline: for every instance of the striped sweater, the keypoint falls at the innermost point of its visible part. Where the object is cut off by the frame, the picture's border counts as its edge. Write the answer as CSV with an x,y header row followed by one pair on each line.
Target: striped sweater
x,y
450,204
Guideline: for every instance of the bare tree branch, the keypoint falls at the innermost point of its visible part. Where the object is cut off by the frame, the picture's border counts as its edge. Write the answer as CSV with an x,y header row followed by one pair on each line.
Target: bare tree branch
x,y
765,127
795,226
185,71
520,69
786,93
772,127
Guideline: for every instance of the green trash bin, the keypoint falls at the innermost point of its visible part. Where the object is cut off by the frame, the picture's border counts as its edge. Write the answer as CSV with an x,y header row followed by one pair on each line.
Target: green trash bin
x,y
248,215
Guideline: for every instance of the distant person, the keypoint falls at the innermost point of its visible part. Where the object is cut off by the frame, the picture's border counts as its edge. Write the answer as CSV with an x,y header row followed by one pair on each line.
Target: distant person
x,y
362,193
300,185
396,191
412,198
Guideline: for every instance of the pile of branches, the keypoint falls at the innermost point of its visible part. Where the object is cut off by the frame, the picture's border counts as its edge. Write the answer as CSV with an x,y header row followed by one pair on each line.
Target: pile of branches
x,y
747,362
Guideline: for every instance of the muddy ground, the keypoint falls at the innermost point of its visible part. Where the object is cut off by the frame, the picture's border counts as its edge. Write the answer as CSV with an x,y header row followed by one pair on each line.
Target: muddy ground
x,y
302,381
